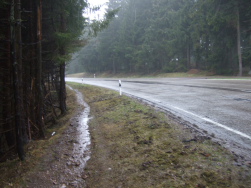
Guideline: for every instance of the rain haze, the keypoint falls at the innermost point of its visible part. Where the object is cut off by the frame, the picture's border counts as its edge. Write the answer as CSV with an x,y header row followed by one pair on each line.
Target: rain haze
x,y
125,93
98,14
169,38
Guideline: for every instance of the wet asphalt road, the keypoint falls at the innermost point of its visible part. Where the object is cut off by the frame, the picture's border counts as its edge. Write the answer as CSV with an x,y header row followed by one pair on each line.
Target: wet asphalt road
x,y
220,107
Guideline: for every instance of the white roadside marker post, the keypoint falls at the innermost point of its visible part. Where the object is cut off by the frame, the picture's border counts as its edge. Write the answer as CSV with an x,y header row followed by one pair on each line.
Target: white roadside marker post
x,y
94,76
120,90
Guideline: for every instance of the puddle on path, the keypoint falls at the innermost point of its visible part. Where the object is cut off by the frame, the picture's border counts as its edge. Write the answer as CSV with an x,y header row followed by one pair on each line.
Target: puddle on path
x,y
82,143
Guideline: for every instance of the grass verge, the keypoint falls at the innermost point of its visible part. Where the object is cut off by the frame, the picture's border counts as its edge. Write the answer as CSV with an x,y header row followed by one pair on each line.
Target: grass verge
x,y
190,73
135,146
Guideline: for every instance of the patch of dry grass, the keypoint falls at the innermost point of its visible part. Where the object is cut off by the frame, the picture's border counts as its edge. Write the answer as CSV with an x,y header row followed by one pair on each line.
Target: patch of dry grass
x,y
135,146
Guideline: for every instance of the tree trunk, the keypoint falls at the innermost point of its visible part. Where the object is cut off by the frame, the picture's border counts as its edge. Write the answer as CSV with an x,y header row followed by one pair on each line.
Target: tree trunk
x,y
62,93
17,73
113,65
188,55
32,70
6,87
62,89
239,41
39,70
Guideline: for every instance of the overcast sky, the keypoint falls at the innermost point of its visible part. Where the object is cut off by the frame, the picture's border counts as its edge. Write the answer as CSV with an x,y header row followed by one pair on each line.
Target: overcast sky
x,y
98,14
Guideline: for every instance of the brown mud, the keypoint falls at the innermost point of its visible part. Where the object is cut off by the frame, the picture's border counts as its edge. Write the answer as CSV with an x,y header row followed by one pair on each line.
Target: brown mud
x,y
59,160
64,165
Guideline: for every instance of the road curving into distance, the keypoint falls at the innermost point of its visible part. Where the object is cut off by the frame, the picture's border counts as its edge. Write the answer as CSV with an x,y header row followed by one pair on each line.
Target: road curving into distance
x,y
219,107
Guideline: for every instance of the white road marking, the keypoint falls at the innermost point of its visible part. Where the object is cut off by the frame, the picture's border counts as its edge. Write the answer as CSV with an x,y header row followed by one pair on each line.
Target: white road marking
x,y
215,123
206,119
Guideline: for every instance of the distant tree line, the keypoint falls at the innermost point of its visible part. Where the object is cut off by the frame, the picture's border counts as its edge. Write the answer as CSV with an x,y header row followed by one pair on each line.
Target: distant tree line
x,y
171,36
36,38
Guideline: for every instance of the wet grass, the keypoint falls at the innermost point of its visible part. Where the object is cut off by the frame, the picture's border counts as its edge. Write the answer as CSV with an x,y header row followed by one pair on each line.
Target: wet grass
x,y
193,73
135,146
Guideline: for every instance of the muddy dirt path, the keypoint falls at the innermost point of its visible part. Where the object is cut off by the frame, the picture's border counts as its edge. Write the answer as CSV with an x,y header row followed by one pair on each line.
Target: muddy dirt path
x,y
64,164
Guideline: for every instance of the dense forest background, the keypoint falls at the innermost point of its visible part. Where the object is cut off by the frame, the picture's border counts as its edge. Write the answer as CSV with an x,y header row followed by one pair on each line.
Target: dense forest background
x,y
36,40
171,36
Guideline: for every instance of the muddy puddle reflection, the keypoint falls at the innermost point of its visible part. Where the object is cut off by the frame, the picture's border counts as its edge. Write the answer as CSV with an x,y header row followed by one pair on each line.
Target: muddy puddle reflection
x,y
82,141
